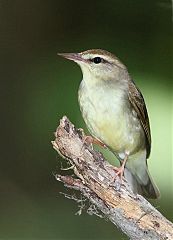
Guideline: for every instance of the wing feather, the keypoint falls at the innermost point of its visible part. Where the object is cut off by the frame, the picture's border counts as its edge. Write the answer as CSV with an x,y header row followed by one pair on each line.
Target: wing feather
x,y
138,103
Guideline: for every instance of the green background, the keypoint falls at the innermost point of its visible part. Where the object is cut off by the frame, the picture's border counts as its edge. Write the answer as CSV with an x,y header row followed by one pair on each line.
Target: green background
x,y
38,88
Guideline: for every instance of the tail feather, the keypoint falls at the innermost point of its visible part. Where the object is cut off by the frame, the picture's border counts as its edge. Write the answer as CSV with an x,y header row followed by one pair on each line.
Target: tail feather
x,y
138,177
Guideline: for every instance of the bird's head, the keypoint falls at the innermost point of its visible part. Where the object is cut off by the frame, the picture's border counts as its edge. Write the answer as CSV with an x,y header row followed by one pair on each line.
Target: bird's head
x,y
97,64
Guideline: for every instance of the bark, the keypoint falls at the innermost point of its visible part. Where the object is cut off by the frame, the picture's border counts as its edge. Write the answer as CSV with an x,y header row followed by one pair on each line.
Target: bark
x,y
94,178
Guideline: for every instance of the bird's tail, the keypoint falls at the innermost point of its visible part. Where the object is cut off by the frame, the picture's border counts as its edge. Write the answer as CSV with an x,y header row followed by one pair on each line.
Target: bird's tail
x,y
148,190
137,175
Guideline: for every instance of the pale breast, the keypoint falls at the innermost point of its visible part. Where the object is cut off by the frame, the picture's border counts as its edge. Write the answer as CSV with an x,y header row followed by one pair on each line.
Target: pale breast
x,y
110,118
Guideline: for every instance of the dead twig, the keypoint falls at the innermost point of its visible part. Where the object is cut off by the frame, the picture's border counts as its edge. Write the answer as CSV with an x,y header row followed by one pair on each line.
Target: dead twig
x,y
133,214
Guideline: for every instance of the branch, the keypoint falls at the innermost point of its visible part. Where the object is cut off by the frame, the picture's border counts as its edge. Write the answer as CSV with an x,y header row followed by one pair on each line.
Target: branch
x,y
133,214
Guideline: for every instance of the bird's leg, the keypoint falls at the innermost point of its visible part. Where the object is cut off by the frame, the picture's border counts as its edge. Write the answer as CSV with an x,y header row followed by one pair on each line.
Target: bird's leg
x,y
93,140
120,171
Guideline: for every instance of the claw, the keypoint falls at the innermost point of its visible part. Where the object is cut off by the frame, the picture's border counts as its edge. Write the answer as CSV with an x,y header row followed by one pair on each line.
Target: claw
x,y
120,171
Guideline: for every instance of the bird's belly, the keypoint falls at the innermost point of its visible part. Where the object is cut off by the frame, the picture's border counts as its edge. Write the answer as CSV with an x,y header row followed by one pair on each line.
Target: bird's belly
x,y
113,122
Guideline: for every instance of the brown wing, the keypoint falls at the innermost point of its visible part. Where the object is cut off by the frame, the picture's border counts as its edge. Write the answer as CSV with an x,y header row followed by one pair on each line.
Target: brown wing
x,y
138,103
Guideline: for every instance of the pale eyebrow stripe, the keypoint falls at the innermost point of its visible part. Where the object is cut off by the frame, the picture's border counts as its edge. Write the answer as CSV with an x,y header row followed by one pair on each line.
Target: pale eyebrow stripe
x,y
107,59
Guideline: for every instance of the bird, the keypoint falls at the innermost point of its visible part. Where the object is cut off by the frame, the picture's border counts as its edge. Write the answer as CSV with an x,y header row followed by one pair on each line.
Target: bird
x,y
115,114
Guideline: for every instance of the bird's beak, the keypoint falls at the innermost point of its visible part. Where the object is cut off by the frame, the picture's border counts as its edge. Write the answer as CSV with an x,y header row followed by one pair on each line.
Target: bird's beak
x,y
76,57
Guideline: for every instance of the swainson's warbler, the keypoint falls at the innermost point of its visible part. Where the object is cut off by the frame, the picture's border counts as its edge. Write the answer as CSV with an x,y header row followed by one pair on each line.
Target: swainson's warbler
x,y
115,113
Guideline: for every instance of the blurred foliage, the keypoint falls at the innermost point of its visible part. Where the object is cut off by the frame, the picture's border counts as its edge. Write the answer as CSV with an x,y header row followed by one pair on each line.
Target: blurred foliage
x,y
38,88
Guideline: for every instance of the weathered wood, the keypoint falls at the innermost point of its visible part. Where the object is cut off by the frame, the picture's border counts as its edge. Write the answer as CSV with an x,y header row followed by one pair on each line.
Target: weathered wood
x,y
133,214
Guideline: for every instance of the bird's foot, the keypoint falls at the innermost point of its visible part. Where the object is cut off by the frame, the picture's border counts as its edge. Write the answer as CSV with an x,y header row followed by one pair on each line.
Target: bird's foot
x,y
119,171
89,140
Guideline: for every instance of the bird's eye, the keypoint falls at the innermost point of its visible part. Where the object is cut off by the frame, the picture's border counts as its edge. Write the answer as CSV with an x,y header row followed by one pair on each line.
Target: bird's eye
x,y
97,60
